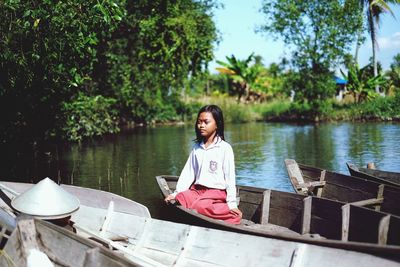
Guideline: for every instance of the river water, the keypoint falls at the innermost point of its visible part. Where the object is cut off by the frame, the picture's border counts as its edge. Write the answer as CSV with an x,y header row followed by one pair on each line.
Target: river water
x,y
127,163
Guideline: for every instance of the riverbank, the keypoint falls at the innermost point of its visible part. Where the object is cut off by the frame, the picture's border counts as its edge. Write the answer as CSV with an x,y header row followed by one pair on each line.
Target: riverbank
x,y
282,110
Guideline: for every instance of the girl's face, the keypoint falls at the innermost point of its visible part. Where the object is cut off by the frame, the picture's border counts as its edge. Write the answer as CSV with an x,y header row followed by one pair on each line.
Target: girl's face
x,y
207,125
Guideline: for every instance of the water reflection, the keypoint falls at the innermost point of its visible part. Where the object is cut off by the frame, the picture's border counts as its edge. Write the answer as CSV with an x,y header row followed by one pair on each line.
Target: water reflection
x,y
128,163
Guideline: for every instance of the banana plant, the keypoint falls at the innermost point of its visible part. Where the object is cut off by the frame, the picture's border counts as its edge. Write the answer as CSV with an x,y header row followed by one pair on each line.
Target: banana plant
x,y
242,73
360,85
394,76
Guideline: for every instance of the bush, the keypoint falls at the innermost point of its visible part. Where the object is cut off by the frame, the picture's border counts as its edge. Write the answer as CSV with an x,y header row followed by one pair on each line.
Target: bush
x,y
272,109
89,116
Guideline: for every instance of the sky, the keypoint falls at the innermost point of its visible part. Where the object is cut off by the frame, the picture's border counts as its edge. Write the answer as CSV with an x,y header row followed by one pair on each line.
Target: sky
x,y
238,20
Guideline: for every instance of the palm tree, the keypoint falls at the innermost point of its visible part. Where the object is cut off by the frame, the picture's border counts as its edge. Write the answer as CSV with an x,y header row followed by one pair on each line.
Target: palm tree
x,y
374,11
242,73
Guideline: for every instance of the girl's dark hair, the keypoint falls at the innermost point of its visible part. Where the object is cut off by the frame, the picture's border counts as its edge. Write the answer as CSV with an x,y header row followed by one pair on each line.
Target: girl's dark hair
x,y
218,117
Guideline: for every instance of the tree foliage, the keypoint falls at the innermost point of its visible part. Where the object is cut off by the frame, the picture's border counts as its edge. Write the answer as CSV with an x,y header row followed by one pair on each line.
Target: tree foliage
x,y
374,11
137,53
242,72
394,76
318,34
361,82
49,52
250,78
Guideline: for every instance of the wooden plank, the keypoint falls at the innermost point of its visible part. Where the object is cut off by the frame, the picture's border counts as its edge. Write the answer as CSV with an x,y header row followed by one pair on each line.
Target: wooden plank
x,y
383,230
306,219
392,200
130,253
381,189
27,235
107,219
368,202
295,175
265,207
54,240
187,244
321,179
311,184
91,257
339,186
345,222
298,256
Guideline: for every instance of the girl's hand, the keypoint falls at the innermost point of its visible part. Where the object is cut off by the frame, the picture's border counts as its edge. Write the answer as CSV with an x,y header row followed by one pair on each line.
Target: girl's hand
x,y
169,198
236,212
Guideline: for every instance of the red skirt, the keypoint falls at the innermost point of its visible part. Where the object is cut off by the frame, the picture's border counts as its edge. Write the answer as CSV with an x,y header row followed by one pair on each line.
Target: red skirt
x,y
208,201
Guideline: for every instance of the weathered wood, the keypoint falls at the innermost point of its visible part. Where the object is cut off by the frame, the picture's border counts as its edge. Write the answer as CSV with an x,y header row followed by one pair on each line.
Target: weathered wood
x,y
289,211
306,221
27,235
379,195
367,202
345,222
297,257
91,256
311,184
62,247
375,175
383,230
189,242
173,244
90,197
265,207
132,254
295,175
321,179
107,219
163,242
351,189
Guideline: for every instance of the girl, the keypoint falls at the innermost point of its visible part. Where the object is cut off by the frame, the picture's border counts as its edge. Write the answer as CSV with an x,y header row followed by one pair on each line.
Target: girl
x,y
207,182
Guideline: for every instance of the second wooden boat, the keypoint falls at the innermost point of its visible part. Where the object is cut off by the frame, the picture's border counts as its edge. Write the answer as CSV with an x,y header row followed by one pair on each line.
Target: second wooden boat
x,y
379,176
151,242
38,243
309,180
306,219
87,197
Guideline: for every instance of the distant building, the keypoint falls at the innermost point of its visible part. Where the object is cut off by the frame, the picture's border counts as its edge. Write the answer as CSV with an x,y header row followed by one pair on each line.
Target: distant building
x,y
340,87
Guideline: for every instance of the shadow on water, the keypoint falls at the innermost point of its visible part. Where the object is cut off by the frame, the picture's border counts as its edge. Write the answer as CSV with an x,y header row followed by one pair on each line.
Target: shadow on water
x,y
128,163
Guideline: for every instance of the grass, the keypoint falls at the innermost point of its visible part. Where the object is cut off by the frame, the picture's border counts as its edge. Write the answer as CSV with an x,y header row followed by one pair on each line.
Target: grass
x,y
242,112
381,108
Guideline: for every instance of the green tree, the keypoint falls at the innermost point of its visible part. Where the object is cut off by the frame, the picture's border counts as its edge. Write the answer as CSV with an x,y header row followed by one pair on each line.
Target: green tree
x,y
394,76
361,82
160,45
244,73
48,54
374,10
319,34
65,55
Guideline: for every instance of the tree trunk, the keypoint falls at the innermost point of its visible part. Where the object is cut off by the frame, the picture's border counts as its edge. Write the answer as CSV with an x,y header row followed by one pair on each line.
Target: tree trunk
x,y
374,43
375,62
358,45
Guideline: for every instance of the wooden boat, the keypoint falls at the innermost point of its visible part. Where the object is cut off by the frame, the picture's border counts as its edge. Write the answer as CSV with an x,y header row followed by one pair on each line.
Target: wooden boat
x,y
308,180
87,197
38,243
306,219
152,242
379,176
96,207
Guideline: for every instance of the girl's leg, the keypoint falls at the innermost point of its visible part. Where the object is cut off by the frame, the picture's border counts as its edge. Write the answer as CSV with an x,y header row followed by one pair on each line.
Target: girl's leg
x,y
188,197
213,204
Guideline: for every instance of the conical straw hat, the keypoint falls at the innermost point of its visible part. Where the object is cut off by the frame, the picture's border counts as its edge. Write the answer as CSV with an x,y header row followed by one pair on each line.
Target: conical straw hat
x,y
46,200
